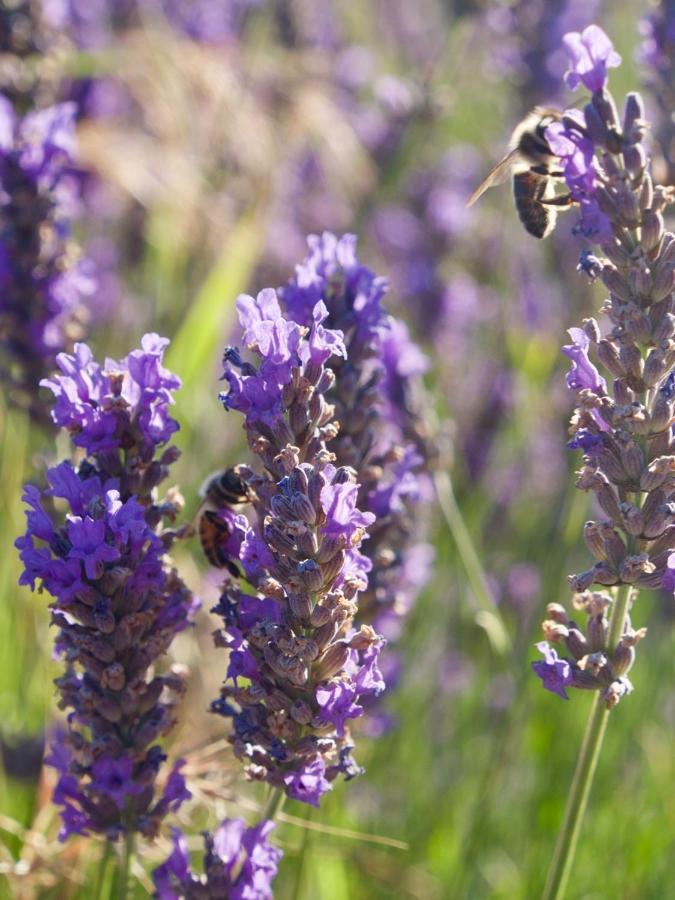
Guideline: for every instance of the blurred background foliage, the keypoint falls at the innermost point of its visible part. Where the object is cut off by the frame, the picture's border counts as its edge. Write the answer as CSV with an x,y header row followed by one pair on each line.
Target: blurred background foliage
x,y
214,136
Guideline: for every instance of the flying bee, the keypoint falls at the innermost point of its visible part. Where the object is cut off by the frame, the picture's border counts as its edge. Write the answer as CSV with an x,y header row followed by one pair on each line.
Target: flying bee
x,y
220,491
531,163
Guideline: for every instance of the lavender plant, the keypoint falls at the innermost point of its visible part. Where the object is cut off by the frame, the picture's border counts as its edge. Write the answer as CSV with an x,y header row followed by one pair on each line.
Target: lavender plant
x,y
622,423
293,637
239,864
97,540
378,397
44,282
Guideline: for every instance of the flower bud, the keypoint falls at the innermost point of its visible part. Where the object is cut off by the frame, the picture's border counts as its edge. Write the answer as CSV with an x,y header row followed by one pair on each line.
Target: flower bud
x,y
576,643
596,629
652,228
593,536
632,518
663,280
634,566
301,606
332,662
615,283
610,359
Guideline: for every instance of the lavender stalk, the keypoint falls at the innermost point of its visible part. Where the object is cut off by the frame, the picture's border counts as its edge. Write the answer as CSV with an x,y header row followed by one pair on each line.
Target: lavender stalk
x,y
117,600
625,428
293,638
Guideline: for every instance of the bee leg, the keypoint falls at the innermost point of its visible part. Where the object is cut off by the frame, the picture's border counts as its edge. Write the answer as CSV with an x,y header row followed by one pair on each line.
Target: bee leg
x,y
564,201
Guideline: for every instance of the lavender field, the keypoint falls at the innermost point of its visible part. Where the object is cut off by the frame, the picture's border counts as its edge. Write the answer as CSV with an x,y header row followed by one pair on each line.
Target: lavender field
x,y
337,456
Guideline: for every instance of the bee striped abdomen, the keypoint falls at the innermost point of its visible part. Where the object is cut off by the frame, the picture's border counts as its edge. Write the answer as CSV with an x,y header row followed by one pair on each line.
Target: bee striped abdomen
x,y
529,189
214,533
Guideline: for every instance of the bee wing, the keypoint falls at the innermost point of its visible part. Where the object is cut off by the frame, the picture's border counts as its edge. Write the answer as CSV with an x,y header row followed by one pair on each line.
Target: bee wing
x,y
498,175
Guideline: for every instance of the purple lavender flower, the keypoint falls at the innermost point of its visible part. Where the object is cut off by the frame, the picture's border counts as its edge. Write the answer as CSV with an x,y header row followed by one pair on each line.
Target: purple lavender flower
x,y
556,674
294,639
583,375
117,600
585,142
576,154
591,54
308,784
42,283
118,404
239,864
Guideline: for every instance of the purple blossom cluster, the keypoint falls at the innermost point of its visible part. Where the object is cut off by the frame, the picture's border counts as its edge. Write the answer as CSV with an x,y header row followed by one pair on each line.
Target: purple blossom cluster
x,y
117,602
43,284
379,400
239,864
575,139
306,668
623,420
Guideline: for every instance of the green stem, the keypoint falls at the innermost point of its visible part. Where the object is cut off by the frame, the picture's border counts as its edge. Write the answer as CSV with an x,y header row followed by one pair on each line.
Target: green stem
x,y
587,762
275,800
487,617
104,871
125,866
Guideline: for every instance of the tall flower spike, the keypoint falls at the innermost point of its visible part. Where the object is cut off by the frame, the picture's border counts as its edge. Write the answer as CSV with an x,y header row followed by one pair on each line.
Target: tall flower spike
x,y
624,417
117,600
306,668
378,397
657,55
239,864
43,282
623,420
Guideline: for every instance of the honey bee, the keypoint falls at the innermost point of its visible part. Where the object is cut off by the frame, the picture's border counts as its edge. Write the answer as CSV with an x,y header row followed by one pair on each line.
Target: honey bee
x,y
530,162
223,490
226,488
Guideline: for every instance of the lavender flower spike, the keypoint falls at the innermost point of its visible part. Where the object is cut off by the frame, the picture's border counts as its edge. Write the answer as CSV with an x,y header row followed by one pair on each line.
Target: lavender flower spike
x,y
117,600
623,423
379,397
44,285
239,864
623,419
298,668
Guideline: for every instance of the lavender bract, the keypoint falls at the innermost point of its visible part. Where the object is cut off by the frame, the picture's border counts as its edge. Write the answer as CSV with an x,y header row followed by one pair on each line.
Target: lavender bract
x,y
623,422
239,864
117,600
